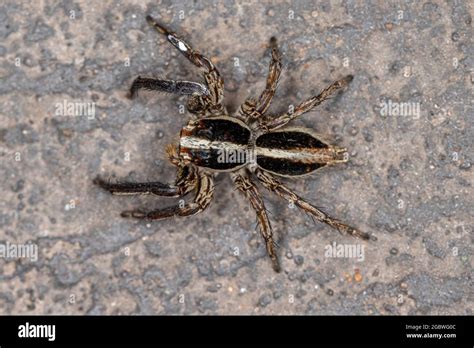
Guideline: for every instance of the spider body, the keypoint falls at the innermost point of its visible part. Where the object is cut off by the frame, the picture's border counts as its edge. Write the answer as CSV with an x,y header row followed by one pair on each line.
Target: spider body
x,y
226,144
247,144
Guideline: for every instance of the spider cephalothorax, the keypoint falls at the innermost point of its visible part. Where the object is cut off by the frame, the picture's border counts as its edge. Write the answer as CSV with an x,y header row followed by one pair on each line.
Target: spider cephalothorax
x,y
248,143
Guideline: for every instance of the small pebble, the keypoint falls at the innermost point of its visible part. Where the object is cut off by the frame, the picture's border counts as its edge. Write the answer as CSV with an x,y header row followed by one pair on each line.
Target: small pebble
x,y
299,260
277,294
357,276
368,136
19,185
214,287
300,293
264,300
465,165
353,130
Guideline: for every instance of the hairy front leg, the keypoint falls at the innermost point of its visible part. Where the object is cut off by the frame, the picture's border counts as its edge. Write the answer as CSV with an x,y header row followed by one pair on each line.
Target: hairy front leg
x,y
204,192
306,106
281,190
168,86
247,187
212,76
184,183
142,188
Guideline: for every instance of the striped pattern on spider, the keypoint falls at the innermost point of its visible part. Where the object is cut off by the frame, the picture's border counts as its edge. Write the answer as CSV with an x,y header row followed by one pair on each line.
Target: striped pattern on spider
x,y
248,144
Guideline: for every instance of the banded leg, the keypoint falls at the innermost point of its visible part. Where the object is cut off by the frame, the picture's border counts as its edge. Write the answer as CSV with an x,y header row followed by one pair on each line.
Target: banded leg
x,y
204,193
254,108
211,74
185,182
145,188
276,186
168,86
306,106
246,186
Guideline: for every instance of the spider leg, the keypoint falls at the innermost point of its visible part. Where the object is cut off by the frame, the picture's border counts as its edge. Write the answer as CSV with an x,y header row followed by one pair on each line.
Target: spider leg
x,y
246,186
168,86
213,79
306,106
204,192
284,192
254,108
185,182
143,188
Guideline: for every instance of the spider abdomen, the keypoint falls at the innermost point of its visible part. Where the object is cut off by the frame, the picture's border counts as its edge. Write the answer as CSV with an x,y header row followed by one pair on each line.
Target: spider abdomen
x,y
293,152
220,143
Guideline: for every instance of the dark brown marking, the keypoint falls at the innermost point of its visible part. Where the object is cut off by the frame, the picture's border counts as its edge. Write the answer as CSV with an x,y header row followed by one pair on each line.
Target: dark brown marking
x,y
298,141
286,167
288,140
222,130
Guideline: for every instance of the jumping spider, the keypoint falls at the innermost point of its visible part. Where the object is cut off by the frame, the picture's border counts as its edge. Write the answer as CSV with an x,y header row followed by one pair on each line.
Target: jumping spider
x,y
265,146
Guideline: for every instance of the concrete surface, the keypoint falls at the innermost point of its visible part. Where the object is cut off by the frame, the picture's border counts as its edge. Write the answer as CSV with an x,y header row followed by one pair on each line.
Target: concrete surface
x,y
409,180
